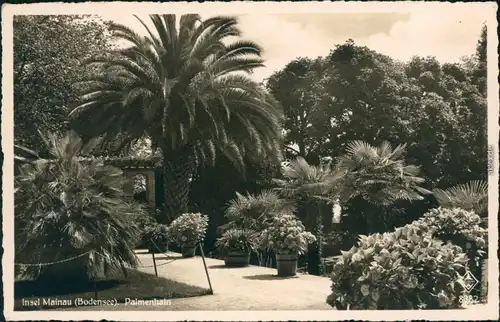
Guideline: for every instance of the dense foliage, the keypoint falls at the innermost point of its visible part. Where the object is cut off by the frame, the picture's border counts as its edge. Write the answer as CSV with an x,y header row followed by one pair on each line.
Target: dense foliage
x,y
404,269
286,235
411,267
65,208
236,239
184,98
354,93
49,54
462,228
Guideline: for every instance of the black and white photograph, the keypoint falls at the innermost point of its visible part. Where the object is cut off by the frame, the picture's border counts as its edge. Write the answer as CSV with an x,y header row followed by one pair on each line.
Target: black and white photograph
x,y
250,161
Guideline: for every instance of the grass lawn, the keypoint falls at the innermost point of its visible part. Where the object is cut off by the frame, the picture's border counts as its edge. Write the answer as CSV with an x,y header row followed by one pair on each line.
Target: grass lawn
x,y
137,285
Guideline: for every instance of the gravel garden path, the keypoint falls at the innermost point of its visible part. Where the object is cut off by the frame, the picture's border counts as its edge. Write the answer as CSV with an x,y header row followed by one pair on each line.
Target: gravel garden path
x,y
235,289
247,288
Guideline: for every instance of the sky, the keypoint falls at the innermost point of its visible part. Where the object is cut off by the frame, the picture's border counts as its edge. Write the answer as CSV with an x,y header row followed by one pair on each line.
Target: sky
x,y
445,34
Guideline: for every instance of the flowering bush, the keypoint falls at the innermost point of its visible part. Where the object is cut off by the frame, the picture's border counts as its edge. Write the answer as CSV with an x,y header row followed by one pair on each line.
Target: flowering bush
x,y
462,228
404,269
238,240
286,234
459,226
189,228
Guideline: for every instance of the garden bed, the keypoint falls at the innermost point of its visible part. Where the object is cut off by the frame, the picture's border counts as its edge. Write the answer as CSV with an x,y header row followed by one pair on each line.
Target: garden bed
x,y
137,286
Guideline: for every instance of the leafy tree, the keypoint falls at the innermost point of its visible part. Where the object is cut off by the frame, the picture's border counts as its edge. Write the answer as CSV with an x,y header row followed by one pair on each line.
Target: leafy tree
x,y
361,100
48,51
67,208
478,71
359,94
189,92
451,114
297,87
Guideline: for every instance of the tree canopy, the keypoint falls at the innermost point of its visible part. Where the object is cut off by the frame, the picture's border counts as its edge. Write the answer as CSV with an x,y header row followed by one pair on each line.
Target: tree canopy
x,y
354,93
49,52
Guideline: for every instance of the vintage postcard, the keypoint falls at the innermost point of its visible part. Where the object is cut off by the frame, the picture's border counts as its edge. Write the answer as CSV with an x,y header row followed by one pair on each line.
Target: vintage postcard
x,y
250,161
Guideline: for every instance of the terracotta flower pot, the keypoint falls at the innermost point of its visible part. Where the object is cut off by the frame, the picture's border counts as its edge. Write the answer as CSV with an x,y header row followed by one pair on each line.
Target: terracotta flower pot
x,y
237,258
188,251
286,264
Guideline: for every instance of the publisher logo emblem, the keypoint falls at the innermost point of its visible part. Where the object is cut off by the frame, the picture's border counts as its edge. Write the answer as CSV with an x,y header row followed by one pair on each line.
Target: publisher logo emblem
x,y
469,281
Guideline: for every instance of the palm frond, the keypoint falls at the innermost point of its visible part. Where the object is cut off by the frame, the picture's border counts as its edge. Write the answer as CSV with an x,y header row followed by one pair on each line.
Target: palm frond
x,y
379,174
186,83
471,196
65,207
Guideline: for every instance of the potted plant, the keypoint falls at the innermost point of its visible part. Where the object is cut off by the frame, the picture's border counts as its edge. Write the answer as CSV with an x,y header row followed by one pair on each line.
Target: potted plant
x,y
156,238
143,222
187,231
287,237
237,244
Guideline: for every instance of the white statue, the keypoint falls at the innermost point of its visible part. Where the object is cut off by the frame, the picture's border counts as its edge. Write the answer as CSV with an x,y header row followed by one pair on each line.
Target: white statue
x,y
337,212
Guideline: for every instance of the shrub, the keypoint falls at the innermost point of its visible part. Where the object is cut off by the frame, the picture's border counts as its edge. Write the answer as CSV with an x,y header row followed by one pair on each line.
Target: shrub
x,y
144,222
188,228
459,226
65,208
404,269
286,234
238,240
462,228
156,236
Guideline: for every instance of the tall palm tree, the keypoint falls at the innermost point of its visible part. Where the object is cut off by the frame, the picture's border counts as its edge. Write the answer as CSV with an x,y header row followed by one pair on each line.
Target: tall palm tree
x,y
67,208
187,87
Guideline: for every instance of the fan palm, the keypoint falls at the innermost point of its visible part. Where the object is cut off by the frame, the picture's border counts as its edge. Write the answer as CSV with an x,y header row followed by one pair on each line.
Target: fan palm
x,y
301,179
188,89
255,213
379,175
310,185
472,196
65,207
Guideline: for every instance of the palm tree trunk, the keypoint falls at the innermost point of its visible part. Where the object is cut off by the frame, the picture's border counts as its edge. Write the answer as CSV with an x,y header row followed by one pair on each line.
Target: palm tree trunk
x,y
178,166
315,250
